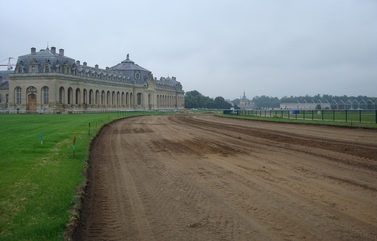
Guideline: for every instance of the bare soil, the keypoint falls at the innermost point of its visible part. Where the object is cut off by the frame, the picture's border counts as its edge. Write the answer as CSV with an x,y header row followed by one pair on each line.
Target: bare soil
x,y
202,177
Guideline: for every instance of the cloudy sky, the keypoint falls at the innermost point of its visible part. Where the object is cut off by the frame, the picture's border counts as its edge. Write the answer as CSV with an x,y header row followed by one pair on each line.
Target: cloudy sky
x,y
220,48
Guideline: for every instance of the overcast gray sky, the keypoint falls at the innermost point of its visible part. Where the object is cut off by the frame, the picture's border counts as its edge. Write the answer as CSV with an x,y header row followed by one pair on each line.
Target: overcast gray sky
x,y
220,48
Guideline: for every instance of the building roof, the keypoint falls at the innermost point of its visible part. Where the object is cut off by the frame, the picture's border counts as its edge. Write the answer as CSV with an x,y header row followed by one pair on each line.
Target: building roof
x,y
133,71
4,75
43,57
128,65
4,85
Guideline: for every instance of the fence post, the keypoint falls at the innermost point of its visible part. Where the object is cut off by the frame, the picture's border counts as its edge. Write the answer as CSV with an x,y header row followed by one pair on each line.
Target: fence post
x,y
312,114
376,116
360,116
333,115
346,116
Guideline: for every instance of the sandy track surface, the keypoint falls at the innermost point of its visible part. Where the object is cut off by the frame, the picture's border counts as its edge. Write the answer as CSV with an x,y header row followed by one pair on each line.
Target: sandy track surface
x,y
201,177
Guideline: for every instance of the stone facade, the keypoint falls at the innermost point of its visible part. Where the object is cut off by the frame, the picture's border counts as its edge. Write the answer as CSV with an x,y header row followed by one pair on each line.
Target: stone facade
x,y
245,103
47,80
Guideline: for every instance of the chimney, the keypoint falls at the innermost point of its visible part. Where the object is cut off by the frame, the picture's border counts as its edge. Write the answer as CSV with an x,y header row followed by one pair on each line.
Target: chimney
x,y
85,64
96,66
61,52
78,62
53,50
33,50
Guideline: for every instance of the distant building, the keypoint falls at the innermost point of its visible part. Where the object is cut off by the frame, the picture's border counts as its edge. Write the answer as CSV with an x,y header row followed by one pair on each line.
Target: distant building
x,y
305,106
47,80
245,103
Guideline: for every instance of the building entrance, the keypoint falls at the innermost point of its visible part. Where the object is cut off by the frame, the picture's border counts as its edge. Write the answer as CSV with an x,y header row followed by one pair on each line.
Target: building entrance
x,y
32,103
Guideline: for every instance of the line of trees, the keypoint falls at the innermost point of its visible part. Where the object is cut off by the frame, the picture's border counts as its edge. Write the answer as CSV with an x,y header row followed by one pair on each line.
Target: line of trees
x,y
194,99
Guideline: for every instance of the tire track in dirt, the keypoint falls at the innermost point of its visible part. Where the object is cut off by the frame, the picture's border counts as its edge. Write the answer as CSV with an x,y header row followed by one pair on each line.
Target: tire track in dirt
x,y
193,178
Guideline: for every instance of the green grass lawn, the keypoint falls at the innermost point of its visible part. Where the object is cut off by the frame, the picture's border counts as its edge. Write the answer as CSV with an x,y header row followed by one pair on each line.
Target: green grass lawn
x,y
39,182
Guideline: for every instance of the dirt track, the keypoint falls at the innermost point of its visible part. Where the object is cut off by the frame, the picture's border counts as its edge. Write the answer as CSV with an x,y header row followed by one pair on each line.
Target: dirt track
x,y
201,177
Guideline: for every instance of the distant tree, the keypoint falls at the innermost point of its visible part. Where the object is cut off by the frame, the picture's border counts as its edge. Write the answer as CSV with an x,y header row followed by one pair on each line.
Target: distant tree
x,y
221,103
236,101
194,99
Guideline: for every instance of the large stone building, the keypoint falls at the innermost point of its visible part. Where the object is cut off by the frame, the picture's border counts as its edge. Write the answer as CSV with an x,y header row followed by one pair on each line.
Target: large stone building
x,y
49,81
245,103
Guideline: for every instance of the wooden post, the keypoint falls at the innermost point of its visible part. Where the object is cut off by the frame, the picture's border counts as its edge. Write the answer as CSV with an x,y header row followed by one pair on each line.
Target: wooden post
x,y
74,146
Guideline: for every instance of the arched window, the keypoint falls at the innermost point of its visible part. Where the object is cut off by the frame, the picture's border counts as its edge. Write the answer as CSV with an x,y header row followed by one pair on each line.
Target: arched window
x,y
18,95
103,97
138,98
108,98
77,96
97,98
70,95
47,68
85,97
90,97
45,95
61,95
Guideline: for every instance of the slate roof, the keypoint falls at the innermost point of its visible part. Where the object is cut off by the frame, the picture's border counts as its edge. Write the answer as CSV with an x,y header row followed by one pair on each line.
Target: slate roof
x,y
129,69
4,75
169,83
128,65
42,57
4,85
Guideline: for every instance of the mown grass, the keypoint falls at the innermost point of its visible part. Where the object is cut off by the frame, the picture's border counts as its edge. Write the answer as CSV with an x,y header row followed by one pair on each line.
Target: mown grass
x,y
38,182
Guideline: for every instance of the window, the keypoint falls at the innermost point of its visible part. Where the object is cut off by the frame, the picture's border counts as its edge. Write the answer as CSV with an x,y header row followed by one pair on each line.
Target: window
x,y
61,95
139,98
18,95
45,95
70,96
33,69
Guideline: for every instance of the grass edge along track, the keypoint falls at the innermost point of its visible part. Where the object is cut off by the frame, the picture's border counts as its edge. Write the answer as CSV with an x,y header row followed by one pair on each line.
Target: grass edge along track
x,y
39,181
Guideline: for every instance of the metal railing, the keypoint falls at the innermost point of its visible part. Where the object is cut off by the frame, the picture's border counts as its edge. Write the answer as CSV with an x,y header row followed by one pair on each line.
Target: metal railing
x,y
361,116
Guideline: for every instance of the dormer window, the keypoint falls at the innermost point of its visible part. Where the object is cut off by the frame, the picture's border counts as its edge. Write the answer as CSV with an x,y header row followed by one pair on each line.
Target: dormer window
x,y
33,69
58,67
47,68
66,67
137,76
